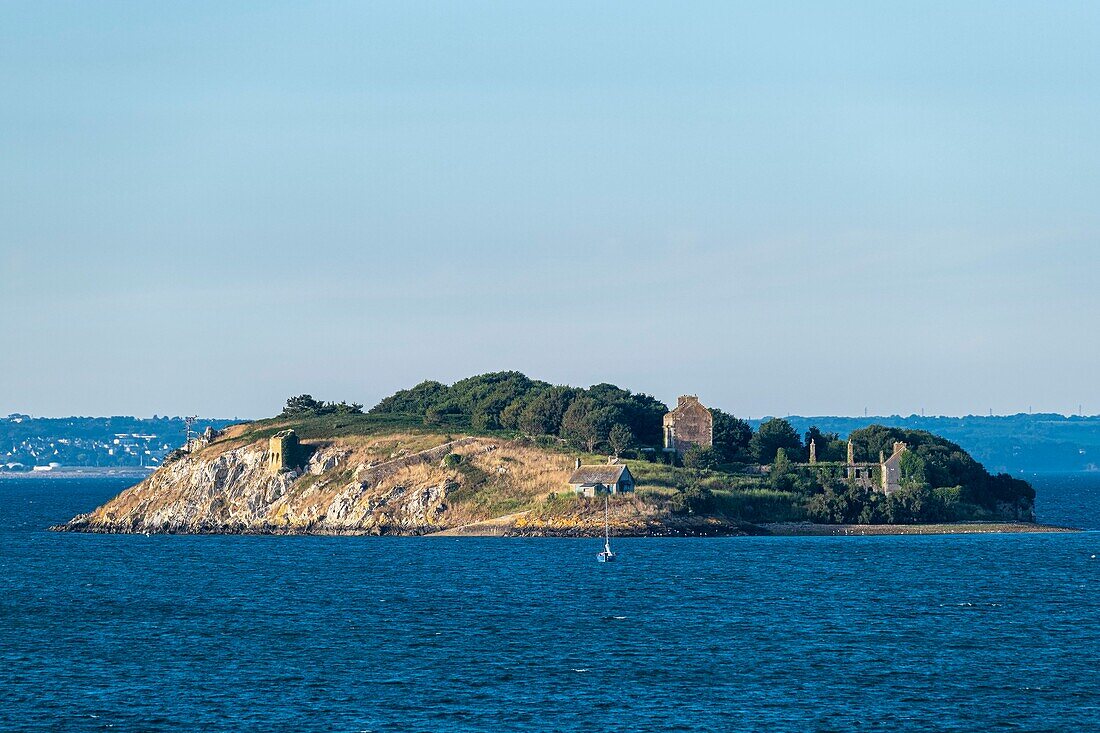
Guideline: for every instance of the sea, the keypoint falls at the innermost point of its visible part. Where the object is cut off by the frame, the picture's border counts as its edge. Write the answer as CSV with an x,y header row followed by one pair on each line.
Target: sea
x,y
906,633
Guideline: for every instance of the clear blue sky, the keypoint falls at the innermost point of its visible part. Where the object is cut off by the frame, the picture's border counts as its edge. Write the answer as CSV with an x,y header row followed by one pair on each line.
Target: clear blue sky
x,y
783,207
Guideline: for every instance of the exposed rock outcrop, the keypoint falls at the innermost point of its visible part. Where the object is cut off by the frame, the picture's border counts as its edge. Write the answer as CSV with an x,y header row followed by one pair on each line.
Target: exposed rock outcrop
x,y
339,490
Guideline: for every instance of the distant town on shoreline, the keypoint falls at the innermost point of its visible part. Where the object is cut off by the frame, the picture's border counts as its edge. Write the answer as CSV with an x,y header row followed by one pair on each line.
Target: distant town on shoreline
x,y
1022,443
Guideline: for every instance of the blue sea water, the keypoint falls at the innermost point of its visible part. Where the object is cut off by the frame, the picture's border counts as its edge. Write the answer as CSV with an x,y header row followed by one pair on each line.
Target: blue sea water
x,y
980,632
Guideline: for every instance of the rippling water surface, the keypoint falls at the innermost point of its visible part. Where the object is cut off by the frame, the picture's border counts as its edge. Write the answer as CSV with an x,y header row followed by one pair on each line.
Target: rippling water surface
x,y
291,633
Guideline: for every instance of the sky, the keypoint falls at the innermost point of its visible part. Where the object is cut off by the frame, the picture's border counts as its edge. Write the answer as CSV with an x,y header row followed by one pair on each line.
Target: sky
x,y
785,208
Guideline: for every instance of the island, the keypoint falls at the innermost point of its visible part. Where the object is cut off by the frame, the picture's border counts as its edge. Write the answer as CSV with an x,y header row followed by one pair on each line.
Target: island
x,y
502,454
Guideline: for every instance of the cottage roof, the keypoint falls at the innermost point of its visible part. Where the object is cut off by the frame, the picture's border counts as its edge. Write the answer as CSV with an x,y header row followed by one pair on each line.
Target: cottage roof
x,y
598,475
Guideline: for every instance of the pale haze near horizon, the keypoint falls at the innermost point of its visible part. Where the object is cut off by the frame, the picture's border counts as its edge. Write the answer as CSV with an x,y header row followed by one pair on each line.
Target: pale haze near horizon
x,y
784,208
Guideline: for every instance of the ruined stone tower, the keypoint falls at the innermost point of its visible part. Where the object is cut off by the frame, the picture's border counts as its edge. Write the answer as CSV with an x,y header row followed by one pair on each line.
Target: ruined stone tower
x,y
283,451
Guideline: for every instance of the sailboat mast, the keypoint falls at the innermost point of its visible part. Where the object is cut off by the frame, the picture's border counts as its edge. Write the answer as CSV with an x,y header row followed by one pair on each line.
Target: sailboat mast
x,y
606,531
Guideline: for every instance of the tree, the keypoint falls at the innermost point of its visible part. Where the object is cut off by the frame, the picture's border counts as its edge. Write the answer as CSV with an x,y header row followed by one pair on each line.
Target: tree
x,y
543,414
693,500
912,470
439,414
303,404
511,400
415,401
621,438
731,437
485,418
773,435
640,412
908,505
587,423
701,458
837,504
781,476
829,446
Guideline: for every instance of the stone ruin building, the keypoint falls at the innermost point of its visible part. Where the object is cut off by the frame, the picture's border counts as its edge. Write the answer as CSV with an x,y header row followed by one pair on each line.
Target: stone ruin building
x,y
891,468
888,470
194,445
690,423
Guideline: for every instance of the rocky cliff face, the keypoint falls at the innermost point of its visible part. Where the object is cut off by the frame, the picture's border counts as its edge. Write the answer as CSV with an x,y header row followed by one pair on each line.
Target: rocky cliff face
x,y
340,490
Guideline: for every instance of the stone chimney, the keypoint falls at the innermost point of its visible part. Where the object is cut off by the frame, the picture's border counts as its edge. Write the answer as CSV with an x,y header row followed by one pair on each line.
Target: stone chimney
x,y
813,451
851,453
900,447
577,464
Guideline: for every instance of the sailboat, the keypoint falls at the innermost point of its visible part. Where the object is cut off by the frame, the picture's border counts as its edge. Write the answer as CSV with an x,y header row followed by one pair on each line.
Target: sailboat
x,y
607,555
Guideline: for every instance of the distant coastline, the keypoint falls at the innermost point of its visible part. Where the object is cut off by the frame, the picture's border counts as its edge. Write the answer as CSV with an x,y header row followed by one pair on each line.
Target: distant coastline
x,y
1022,445
72,472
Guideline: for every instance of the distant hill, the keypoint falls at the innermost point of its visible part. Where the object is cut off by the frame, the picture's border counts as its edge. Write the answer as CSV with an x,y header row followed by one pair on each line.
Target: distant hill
x,y
1039,443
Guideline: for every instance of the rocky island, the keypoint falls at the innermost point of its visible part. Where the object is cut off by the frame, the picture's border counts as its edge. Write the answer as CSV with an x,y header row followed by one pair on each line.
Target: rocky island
x,y
501,454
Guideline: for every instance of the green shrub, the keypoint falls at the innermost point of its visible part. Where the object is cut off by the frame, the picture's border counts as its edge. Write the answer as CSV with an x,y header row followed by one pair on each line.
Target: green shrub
x,y
760,505
701,458
694,499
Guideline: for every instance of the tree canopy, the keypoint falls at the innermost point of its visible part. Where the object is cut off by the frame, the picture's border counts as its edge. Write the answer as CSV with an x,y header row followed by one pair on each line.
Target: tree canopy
x,y
774,434
933,463
304,404
732,437
829,446
602,416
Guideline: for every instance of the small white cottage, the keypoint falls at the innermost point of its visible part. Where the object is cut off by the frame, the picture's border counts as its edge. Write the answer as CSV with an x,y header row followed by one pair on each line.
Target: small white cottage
x,y
594,480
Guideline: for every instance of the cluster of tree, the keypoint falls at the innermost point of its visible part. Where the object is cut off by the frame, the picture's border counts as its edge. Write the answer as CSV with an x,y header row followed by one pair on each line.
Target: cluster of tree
x,y
939,482
304,404
839,504
693,499
601,416
937,462
1023,442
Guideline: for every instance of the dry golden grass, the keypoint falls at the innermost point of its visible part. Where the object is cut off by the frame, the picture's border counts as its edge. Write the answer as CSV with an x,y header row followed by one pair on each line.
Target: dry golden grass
x,y
379,448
